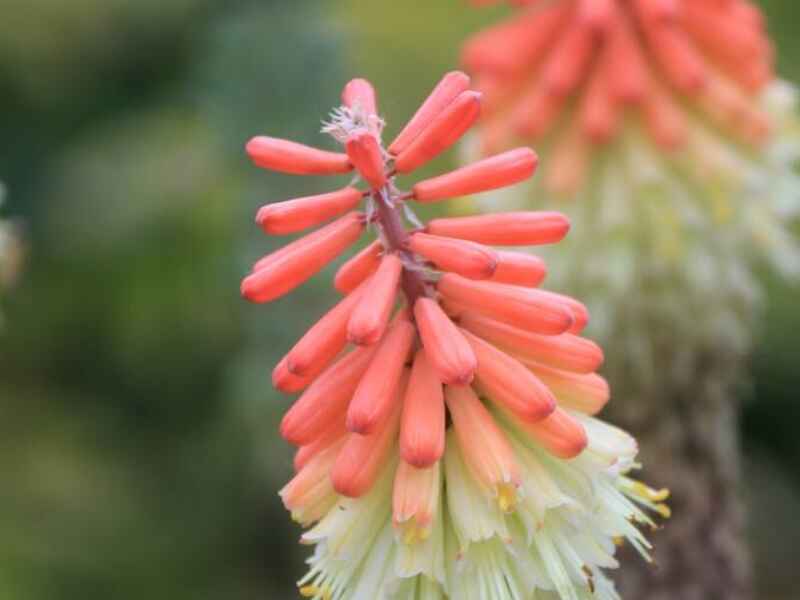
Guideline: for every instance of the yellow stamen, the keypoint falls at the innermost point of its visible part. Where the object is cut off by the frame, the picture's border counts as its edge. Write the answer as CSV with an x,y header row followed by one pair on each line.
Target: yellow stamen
x,y
663,510
507,497
312,591
649,493
412,533
619,541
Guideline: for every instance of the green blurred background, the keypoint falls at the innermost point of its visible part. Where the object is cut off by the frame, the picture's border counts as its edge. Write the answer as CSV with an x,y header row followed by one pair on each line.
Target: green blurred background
x,y
139,454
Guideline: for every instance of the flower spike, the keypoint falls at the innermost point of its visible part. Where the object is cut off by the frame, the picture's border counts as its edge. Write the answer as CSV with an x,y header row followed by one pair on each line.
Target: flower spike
x,y
444,416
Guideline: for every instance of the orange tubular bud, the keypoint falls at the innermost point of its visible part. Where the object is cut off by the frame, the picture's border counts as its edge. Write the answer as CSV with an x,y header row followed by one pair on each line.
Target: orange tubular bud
x,y
587,393
326,399
372,402
285,381
523,307
365,153
526,228
517,268
415,500
310,494
509,384
296,159
356,270
567,64
332,435
371,314
682,64
444,131
363,456
289,267
448,352
560,434
485,448
440,98
490,173
301,213
580,314
423,422
459,256
320,345
596,14
566,351
360,93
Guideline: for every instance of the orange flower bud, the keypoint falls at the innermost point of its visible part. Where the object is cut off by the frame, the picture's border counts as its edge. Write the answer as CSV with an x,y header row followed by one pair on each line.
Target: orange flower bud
x,y
371,314
509,384
490,173
580,313
560,434
444,131
518,268
423,421
360,93
363,456
365,153
447,90
320,345
325,399
523,307
526,228
483,445
333,433
286,381
569,61
587,393
301,213
376,392
446,349
682,65
310,495
566,351
459,256
357,269
297,159
282,271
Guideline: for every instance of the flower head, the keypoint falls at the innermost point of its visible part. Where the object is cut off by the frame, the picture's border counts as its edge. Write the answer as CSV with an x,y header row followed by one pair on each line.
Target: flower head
x,y
446,446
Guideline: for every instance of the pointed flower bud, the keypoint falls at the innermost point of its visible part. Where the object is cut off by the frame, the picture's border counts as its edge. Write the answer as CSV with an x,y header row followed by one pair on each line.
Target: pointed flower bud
x,y
371,314
334,432
359,93
423,420
310,495
291,266
504,229
516,268
468,259
365,153
295,215
450,355
559,433
499,171
286,381
585,392
297,159
357,269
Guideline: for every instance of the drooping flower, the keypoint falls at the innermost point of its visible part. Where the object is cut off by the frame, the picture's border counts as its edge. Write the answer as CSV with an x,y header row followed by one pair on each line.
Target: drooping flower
x,y
447,443
664,123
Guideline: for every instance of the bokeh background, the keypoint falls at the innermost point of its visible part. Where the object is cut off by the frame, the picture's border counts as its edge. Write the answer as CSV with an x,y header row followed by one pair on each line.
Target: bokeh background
x,y
139,454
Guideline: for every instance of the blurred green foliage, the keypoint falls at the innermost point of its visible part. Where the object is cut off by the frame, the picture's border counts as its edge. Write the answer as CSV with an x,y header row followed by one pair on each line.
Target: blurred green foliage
x,y
137,425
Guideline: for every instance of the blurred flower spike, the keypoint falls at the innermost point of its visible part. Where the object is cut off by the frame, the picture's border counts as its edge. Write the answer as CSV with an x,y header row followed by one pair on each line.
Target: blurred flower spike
x,y
447,443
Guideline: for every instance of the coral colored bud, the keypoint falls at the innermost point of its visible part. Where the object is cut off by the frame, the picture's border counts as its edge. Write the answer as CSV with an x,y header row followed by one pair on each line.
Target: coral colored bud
x,y
599,111
295,215
423,421
664,120
459,256
334,433
444,131
286,381
372,402
360,93
325,399
509,384
566,351
415,499
289,267
596,14
523,307
448,352
357,269
371,314
518,268
567,64
682,64
310,494
320,345
485,448
365,153
297,159
526,228
560,434
490,173
587,393
440,98
579,311
363,456
627,73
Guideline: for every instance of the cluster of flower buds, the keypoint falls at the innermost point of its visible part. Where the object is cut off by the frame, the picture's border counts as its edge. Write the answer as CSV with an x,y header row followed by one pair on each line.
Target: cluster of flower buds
x,y
446,441
580,67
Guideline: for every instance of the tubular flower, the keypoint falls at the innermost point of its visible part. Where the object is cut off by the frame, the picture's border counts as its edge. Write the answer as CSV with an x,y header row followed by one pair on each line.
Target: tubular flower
x,y
446,443
664,120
